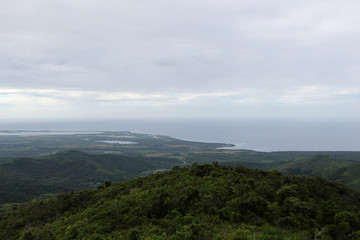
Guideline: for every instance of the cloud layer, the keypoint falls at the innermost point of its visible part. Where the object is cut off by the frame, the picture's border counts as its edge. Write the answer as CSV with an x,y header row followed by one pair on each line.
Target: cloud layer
x,y
185,58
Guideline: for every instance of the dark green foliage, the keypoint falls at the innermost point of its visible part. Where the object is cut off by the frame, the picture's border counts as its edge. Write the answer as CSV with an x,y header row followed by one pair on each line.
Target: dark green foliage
x,y
107,183
338,170
195,202
25,178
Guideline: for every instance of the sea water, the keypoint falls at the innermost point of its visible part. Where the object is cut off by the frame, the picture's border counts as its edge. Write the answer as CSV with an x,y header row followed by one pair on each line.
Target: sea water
x,y
254,134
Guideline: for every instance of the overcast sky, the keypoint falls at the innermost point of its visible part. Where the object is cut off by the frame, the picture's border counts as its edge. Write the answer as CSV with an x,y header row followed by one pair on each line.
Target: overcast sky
x,y
128,59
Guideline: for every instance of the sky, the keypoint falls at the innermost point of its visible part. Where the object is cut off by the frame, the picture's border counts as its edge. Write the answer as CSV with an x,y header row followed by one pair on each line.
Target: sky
x,y
139,59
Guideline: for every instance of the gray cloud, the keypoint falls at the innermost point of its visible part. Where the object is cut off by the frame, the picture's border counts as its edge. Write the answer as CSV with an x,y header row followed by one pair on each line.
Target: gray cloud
x,y
276,48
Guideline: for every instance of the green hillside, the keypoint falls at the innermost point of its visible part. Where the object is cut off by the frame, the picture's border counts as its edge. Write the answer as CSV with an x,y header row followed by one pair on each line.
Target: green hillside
x,y
22,179
196,202
25,178
338,170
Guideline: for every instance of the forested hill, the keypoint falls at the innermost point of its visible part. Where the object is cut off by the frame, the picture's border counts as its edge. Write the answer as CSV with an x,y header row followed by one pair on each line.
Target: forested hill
x,y
25,178
195,202
342,171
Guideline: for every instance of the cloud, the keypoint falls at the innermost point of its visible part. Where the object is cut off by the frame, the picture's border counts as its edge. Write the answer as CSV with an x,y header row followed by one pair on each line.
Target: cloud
x,y
319,95
180,54
294,96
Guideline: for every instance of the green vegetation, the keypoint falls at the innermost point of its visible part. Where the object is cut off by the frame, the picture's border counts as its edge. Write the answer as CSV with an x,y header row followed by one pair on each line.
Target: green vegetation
x,y
25,178
264,160
28,169
36,144
341,171
195,202
310,164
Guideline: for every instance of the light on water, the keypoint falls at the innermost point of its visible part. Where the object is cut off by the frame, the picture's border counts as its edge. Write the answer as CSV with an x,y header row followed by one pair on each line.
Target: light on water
x,y
118,142
261,135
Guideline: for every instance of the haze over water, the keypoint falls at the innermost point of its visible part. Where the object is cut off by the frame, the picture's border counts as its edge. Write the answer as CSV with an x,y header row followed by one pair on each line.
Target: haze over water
x,y
260,135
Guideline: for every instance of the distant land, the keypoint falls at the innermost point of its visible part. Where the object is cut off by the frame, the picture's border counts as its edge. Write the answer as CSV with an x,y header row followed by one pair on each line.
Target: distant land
x,y
74,184
38,143
264,135
34,163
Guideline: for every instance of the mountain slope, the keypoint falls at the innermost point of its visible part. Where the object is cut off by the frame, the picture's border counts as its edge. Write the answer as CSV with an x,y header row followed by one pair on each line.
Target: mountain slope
x,y
338,170
25,178
196,202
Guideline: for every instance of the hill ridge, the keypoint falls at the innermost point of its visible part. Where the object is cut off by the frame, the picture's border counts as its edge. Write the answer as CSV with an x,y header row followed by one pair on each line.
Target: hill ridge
x,y
195,202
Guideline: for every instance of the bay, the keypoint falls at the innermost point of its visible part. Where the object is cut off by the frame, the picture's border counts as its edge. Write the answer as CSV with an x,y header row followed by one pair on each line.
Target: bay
x,y
255,134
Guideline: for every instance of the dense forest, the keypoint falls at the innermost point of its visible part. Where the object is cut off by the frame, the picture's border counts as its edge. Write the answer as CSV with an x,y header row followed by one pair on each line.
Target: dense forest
x,y
195,202
338,170
23,179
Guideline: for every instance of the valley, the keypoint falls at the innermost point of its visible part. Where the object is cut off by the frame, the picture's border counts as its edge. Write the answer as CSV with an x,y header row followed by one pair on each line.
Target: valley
x,y
34,164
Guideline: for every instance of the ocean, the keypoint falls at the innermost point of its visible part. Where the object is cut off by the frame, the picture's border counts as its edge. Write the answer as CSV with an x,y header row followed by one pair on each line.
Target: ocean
x,y
255,134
